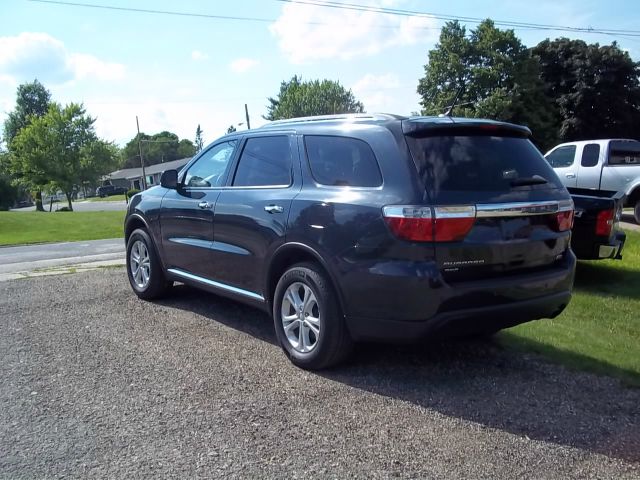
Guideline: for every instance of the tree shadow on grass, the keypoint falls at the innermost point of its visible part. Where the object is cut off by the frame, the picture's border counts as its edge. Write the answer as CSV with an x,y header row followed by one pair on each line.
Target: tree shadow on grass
x,y
473,380
602,279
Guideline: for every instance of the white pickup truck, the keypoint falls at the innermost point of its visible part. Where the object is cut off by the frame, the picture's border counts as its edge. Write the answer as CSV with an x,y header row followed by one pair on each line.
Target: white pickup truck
x,y
607,167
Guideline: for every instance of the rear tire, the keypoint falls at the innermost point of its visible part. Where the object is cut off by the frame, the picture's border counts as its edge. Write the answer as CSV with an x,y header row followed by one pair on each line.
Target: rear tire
x,y
143,267
636,212
307,318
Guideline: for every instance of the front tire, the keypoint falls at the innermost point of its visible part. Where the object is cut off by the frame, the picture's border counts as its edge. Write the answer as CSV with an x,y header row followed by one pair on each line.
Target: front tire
x,y
636,212
307,318
143,267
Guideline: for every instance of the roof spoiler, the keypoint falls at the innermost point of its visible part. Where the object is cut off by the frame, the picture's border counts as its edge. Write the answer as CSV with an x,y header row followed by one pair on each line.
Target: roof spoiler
x,y
426,126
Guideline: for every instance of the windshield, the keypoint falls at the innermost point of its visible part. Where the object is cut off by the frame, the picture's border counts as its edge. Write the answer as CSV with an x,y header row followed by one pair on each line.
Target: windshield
x,y
451,167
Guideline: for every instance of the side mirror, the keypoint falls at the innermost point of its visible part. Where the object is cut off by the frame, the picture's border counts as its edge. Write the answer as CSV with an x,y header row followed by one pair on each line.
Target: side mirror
x,y
169,179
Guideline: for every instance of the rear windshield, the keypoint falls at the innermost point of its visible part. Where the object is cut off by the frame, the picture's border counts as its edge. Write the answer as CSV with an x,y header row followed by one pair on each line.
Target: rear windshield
x,y
624,153
451,167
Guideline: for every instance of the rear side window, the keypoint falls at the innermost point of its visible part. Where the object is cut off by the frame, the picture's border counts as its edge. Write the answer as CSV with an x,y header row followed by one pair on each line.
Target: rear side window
x,y
562,157
342,161
590,155
624,153
265,161
451,167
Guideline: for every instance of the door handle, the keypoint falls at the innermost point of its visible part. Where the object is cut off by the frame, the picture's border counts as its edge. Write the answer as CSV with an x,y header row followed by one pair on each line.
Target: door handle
x,y
205,205
273,209
571,175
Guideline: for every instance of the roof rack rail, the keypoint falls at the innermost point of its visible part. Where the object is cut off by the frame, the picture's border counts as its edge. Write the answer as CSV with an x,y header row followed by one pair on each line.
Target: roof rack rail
x,y
329,118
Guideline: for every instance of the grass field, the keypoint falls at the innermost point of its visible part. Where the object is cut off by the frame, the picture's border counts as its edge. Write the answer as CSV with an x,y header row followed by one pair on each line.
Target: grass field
x,y
600,329
38,227
113,198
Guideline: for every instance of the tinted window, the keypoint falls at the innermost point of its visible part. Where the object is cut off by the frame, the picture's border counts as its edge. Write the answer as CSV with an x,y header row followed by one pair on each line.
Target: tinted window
x,y
452,166
209,169
590,154
342,161
562,157
265,161
624,153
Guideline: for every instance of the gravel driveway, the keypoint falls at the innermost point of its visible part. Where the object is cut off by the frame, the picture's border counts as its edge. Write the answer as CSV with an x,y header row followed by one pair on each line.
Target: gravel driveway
x,y
98,383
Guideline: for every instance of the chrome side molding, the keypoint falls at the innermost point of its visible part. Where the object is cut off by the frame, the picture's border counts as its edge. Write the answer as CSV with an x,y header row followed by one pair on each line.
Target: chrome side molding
x,y
212,283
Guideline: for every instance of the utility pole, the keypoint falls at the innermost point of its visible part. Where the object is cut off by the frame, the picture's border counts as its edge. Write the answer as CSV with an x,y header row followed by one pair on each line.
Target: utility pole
x,y
144,176
246,114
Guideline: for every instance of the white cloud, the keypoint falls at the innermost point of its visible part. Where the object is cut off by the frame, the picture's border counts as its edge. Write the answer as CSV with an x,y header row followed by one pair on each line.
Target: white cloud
x,y
39,55
242,65
376,92
310,32
197,55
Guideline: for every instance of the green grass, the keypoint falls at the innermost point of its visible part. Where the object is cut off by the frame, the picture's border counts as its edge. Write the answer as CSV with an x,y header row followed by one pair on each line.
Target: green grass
x,y
113,198
600,329
38,227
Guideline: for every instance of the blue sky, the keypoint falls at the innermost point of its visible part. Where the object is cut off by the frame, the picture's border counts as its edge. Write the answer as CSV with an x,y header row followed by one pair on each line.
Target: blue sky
x,y
177,72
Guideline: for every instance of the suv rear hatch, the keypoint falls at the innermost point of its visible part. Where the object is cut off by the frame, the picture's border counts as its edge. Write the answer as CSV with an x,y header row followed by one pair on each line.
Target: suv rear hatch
x,y
497,207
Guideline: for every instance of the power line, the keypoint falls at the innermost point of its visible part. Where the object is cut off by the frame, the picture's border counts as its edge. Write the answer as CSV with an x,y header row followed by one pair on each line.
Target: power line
x,y
437,16
626,34
192,14
148,10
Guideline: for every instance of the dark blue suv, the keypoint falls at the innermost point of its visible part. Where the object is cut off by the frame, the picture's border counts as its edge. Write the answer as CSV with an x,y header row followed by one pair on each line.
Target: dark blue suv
x,y
363,227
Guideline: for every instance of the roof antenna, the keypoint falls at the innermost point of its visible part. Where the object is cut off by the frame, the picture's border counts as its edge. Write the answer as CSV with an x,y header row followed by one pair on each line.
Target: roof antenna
x,y
449,111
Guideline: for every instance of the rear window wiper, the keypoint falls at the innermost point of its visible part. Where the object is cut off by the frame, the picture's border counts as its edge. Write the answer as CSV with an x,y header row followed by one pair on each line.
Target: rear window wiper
x,y
535,180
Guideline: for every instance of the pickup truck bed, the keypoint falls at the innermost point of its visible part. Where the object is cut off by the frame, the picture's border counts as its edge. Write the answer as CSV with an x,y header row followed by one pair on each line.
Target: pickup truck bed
x,y
596,234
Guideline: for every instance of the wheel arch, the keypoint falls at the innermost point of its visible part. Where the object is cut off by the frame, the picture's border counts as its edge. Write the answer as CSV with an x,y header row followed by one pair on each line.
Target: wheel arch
x,y
289,254
133,222
633,195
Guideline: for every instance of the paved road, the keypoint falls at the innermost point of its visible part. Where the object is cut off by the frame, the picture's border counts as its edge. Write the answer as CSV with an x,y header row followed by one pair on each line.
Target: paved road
x,y
82,206
96,383
33,257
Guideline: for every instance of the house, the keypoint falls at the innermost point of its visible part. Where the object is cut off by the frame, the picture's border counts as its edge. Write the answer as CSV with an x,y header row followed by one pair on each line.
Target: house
x,y
132,177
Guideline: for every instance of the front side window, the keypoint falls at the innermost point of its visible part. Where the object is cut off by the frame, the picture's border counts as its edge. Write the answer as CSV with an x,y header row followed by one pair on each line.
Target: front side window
x,y
209,170
265,162
342,161
590,155
562,157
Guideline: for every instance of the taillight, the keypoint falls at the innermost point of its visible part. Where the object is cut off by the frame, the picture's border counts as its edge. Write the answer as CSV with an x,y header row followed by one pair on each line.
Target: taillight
x,y
564,217
426,224
564,221
453,223
604,222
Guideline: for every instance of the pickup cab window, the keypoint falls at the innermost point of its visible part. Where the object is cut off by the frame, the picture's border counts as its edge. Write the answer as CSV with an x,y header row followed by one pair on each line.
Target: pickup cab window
x,y
562,157
590,155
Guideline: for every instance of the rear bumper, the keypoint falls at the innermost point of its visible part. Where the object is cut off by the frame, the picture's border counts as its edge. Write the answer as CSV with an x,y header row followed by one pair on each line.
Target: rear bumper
x,y
461,322
473,307
600,250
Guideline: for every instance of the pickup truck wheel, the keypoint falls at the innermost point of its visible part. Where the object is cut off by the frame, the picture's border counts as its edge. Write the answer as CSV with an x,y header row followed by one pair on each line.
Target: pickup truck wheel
x,y
636,212
307,319
143,267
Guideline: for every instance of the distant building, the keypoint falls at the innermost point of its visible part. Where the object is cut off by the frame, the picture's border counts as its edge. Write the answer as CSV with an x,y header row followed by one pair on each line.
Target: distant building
x,y
132,177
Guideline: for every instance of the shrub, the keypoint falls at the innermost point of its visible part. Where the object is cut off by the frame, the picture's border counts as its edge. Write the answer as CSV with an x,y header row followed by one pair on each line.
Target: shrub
x,y
132,192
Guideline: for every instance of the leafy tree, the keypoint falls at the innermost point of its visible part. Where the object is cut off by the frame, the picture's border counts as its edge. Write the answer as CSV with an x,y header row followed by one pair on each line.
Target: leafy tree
x,y
62,149
186,148
299,99
595,89
8,192
231,129
161,147
32,100
199,142
496,75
